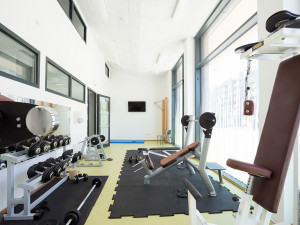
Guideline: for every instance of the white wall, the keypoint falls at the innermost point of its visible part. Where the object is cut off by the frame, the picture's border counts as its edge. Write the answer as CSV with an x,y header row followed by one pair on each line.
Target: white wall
x,y
267,73
45,26
136,125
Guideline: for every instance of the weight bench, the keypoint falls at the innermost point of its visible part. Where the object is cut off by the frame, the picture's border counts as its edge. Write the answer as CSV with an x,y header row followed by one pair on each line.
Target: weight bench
x,y
217,167
208,120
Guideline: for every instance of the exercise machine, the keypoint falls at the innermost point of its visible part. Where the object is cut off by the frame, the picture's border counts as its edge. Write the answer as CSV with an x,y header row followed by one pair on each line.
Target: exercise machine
x,y
92,150
207,122
268,172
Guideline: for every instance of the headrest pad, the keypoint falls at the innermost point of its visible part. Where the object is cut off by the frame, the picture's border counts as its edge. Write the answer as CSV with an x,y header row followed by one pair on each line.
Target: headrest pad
x,y
194,145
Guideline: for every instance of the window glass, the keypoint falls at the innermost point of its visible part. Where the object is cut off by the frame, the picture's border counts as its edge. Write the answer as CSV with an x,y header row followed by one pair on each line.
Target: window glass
x,y
78,90
179,73
65,4
78,24
223,92
235,14
57,80
17,60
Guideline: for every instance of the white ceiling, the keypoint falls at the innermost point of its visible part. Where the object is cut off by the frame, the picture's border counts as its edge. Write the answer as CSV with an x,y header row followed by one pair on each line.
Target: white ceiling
x,y
144,37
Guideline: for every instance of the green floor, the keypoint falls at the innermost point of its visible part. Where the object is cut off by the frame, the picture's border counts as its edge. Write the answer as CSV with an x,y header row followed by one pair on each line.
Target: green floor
x,y
100,213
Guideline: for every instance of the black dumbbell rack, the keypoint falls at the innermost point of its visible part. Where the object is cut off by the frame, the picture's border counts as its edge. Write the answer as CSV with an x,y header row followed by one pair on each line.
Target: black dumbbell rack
x,y
28,186
91,152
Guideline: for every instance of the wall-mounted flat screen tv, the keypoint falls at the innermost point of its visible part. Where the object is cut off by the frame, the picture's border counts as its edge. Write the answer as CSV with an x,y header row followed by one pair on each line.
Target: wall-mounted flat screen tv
x,y
136,106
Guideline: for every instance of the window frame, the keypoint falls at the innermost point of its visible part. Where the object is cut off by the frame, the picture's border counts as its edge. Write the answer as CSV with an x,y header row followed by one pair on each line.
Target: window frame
x,y
74,9
174,85
22,42
70,77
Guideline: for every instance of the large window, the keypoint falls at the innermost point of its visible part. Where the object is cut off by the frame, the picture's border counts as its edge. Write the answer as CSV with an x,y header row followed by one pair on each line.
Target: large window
x,y
72,12
223,92
220,83
236,13
177,103
18,60
61,82
78,90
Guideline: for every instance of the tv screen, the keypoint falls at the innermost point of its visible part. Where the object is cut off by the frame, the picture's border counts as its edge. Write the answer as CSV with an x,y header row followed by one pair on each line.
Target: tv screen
x,y
136,106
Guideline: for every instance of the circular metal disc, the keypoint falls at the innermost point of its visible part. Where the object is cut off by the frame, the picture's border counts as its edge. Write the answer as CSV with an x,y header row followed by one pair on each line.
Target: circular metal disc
x,y
42,120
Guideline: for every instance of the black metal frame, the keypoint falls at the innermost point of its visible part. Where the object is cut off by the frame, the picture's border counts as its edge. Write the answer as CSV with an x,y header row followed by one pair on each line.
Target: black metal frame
x,y
99,120
70,77
18,39
73,9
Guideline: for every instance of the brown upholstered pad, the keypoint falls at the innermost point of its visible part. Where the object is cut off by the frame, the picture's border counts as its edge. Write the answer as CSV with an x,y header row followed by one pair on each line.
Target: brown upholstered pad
x,y
278,134
194,145
149,162
249,168
172,158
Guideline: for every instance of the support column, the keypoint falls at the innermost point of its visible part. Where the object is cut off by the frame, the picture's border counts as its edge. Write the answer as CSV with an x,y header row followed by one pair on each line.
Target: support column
x,y
189,79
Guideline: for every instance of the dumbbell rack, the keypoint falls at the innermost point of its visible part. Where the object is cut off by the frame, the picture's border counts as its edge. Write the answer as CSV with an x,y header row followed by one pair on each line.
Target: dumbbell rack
x,y
28,186
92,153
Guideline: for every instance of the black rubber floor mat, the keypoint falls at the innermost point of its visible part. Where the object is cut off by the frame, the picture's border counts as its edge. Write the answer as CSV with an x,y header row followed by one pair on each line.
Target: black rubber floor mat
x,y
133,198
67,197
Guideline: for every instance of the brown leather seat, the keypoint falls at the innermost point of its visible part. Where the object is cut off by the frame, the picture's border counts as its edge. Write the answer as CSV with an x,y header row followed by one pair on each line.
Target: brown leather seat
x,y
249,168
173,158
149,162
278,134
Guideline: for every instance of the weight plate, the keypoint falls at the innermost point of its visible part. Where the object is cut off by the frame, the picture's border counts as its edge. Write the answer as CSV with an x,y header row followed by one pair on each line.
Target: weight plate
x,y
102,138
73,215
97,182
182,194
47,175
185,120
130,159
31,171
207,120
94,140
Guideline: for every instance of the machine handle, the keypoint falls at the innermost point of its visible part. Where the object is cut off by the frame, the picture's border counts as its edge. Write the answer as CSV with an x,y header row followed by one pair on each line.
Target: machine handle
x,y
192,189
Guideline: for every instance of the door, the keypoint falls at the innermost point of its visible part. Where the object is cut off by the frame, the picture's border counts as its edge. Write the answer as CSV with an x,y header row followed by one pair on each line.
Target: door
x,y
92,112
104,118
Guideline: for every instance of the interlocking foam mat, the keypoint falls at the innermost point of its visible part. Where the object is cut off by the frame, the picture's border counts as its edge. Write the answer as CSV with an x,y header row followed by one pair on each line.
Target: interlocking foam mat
x,y
134,198
65,198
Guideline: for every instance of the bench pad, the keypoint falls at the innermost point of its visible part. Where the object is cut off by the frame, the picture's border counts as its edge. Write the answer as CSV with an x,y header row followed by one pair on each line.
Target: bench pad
x,y
249,168
173,158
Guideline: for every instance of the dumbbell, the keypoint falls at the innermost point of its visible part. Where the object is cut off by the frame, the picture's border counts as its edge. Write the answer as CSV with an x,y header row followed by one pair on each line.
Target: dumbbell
x,y
64,140
69,154
3,164
57,169
47,174
51,140
72,217
45,146
79,177
33,149
59,161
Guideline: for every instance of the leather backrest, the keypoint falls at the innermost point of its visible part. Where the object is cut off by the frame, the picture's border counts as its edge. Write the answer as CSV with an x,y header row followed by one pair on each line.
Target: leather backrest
x,y
278,134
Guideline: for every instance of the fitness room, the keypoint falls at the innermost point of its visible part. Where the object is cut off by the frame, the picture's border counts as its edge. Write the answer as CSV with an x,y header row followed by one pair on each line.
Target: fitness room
x,y
149,112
